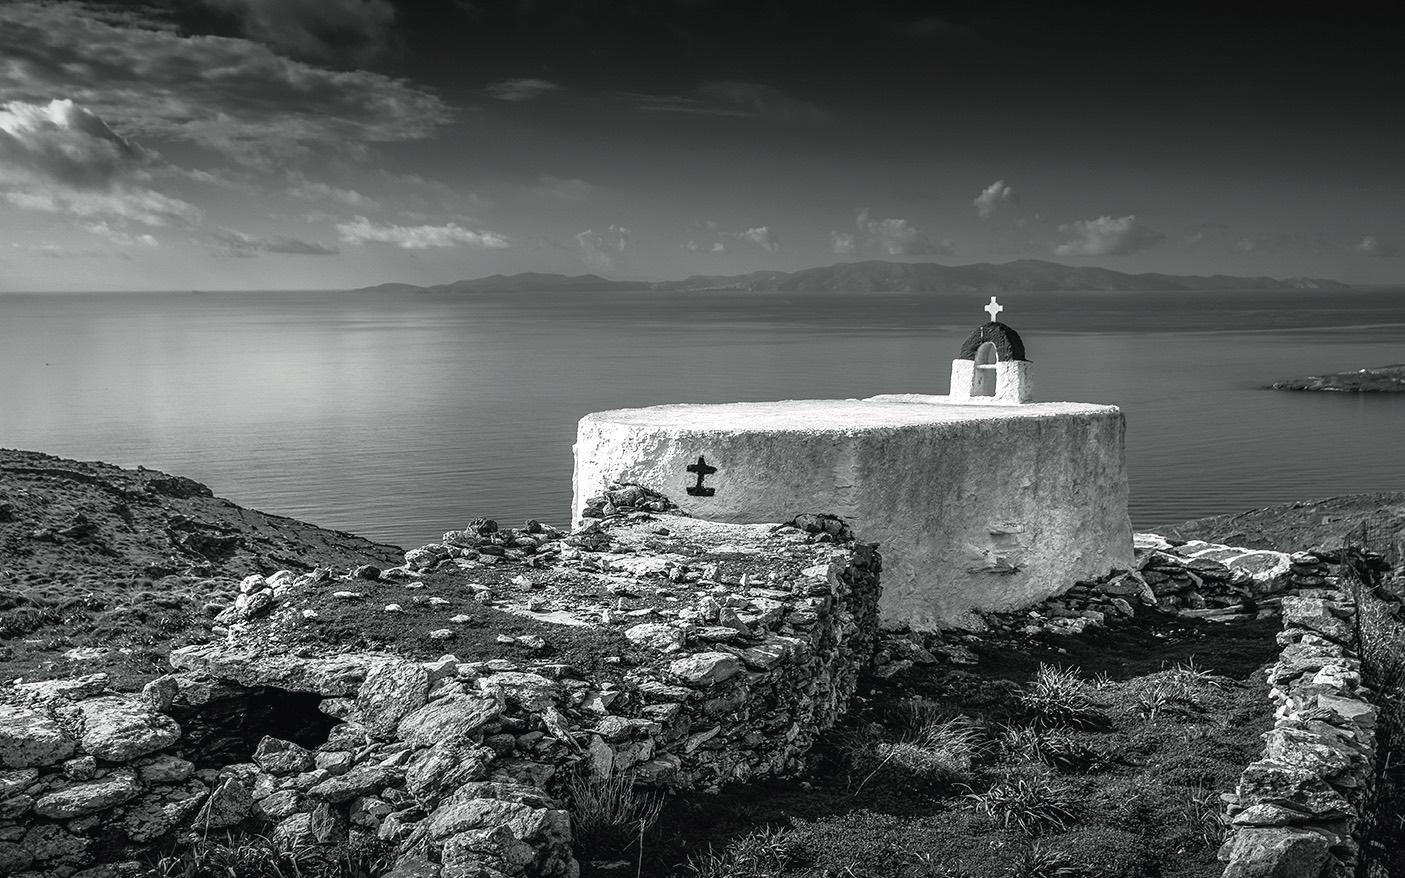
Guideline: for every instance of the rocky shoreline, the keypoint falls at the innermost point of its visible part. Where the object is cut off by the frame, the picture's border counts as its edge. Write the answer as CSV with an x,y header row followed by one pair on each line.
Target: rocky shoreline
x,y
1381,379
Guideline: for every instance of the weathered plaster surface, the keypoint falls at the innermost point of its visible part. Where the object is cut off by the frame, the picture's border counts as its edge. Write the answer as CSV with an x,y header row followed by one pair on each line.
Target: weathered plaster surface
x,y
976,506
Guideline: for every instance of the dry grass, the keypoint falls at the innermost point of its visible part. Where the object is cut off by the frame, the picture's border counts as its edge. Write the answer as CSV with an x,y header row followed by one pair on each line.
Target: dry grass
x,y
609,814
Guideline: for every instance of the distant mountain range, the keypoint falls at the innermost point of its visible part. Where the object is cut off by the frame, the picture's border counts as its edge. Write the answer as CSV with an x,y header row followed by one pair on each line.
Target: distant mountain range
x,y
879,276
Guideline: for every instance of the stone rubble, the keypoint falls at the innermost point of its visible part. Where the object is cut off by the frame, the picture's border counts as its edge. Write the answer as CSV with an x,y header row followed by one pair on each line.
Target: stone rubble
x,y
751,648
1195,579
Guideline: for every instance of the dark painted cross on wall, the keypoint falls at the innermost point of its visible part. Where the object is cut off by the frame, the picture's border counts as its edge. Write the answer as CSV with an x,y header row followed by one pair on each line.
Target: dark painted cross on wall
x,y
702,469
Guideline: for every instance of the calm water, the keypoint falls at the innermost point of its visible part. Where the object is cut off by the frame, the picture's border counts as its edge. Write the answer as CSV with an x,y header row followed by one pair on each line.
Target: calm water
x,y
399,417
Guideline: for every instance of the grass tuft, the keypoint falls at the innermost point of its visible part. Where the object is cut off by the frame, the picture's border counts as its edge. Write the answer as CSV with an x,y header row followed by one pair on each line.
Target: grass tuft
x,y
1039,861
1033,804
1056,696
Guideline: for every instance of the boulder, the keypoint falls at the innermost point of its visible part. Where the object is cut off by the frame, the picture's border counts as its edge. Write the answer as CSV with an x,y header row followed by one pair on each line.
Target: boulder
x,y
363,780
451,718
392,689
119,729
88,797
443,768
31,737
705,668
162,810
228,805
531,692
281,758
1281,852
656,635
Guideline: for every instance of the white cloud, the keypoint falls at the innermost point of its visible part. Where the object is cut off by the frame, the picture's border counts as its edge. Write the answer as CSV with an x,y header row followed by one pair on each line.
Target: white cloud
x,y
603,250
239,244
59,157
144,78
518,90
144,206
1106,236
762,236
357,29
1373,246
842,243
992,197
716,247
362,231
311,190
103,230
64,142
57,251
898,237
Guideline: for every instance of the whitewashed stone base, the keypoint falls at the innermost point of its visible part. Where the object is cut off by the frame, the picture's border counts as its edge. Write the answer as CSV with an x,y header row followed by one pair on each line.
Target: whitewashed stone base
x,y
976,507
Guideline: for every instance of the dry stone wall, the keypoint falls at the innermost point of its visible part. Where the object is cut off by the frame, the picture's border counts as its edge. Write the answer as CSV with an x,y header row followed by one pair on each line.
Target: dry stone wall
x,y
1296,810
88,778
721,653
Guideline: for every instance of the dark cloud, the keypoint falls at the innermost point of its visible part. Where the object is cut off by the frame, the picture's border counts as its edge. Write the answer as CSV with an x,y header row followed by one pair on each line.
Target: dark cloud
x,y
733,98
520,89
316,29
234,95
1106,236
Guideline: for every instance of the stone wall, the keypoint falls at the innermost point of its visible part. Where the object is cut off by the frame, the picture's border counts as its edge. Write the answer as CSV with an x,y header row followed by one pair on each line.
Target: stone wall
x,y
1296,811
733,648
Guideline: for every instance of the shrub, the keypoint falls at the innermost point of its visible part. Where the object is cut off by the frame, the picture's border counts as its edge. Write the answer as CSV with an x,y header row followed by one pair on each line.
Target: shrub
x,y
609,813
1034,804
1056,696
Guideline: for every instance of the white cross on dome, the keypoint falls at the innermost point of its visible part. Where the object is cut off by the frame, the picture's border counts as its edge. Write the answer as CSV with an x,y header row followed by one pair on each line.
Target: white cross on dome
x,y
994,308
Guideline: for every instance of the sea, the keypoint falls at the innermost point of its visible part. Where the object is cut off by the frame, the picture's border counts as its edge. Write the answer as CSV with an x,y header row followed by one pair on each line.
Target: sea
x,y
398,416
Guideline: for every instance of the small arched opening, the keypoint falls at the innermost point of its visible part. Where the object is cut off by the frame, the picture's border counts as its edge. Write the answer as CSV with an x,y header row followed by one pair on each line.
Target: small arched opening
x,y
983,377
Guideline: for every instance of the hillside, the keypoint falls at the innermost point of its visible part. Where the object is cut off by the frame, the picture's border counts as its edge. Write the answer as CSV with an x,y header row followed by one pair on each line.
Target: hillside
x,y
104,568
881,276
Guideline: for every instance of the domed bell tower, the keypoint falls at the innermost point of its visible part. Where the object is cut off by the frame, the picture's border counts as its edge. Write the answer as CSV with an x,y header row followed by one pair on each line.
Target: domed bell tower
x,y
992,367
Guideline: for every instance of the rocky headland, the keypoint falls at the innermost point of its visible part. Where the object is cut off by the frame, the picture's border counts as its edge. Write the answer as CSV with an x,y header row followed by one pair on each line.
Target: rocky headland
x,y
1381,379
182,665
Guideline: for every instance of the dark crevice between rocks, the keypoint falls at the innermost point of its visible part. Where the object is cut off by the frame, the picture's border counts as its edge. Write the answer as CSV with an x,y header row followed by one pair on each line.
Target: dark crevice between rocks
x,y
228,730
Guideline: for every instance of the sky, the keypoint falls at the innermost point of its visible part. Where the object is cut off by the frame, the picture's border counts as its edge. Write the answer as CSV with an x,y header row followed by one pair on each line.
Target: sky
x,y
281,144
